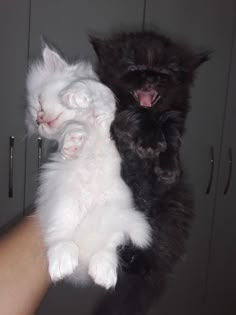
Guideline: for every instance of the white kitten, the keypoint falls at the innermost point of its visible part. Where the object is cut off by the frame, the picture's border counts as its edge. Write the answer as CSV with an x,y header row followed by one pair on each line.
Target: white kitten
x,y
84,207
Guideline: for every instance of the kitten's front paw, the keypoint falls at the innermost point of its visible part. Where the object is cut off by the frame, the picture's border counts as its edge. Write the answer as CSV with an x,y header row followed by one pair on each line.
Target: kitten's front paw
x,y
78,96
72,143
167,177
62,260
169,168
102,268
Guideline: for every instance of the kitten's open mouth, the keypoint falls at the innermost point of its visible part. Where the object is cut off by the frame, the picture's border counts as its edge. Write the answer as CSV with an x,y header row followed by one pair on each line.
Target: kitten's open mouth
x,y
146,98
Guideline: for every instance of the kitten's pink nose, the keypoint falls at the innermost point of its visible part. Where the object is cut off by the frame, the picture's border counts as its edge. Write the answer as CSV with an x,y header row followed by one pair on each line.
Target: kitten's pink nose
x,y
40,118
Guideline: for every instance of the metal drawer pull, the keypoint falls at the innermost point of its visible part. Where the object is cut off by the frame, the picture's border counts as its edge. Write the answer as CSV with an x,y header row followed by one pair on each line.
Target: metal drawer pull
x,y
230,155
11,156
212,165
40,151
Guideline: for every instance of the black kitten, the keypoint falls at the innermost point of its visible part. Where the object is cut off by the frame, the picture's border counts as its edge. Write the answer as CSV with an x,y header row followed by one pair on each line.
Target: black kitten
x,y
151,78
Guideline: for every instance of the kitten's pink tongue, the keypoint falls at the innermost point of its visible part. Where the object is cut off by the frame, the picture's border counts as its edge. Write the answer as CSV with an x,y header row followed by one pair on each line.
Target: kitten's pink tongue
x,y
146,97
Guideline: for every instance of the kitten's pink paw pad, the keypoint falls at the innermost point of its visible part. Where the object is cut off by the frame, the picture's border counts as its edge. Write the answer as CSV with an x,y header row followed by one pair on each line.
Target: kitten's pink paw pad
x,y
102,268
72,144
62,260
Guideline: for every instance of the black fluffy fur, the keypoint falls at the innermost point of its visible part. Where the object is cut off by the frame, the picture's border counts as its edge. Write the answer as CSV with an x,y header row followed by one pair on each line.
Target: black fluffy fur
x,y
148,139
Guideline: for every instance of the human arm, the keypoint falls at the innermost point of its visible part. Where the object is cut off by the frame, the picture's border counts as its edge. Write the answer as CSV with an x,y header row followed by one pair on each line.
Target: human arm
x,y
24,278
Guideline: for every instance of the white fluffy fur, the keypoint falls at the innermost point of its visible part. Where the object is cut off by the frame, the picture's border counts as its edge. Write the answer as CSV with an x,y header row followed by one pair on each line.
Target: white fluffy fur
x,y
84,207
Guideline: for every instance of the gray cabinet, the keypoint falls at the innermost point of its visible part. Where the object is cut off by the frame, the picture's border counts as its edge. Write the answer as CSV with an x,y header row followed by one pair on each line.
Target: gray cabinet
x,y
14,18
221,284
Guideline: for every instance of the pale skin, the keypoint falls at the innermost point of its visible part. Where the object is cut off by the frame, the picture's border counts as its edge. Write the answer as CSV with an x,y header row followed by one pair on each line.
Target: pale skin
x,y
24,278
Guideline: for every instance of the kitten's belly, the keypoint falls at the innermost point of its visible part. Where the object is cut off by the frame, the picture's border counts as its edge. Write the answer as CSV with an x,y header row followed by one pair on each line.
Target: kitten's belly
x,y
97,228
108,205
95,179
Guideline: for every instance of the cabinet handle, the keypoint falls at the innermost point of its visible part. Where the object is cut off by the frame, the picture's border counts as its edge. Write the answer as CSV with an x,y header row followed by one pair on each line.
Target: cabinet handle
x,y
40,151
230,156
212,165
11,156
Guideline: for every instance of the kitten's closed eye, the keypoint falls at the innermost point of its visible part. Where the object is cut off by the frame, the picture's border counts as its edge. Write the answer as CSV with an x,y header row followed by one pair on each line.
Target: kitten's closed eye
x,y
161,73
40,102
137,67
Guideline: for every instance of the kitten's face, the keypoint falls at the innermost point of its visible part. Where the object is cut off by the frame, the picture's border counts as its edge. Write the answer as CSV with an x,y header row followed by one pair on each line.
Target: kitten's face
x,y
149,70
45,112
58,93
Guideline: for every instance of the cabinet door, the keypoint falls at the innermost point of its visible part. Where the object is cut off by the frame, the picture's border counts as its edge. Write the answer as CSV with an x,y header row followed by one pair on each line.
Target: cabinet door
x,y
204,24
222,265
66,23
14,17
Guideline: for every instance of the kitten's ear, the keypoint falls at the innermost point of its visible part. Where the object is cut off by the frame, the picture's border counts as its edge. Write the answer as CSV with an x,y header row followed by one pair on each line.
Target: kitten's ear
x,y
52,59
100,46
199,59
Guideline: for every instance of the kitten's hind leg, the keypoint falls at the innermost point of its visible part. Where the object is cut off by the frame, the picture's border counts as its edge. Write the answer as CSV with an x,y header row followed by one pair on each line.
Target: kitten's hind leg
x,y
103,265
62,259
